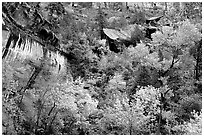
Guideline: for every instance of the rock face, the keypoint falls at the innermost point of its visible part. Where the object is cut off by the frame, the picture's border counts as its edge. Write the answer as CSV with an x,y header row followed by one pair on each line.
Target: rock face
x,y
131,34
122,34
127,36
30,40
153,20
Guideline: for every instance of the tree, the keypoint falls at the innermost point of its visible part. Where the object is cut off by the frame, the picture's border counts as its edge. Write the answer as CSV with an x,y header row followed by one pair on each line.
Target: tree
x,y
102,22
61,78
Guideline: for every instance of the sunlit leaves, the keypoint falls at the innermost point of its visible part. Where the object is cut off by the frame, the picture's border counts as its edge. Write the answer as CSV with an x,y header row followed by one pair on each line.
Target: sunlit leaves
x,y
163,36
117,82
152,60
141,54
193,127
108,99
138,52
148,97
174,43
186,34
74,97
137,115
115,61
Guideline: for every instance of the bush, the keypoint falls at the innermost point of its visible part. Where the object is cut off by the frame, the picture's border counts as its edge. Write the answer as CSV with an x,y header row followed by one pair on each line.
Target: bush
x,y
193,127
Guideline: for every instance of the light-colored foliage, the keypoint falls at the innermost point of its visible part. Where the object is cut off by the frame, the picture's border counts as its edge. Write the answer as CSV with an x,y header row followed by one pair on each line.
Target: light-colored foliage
x,y
193,127
137,115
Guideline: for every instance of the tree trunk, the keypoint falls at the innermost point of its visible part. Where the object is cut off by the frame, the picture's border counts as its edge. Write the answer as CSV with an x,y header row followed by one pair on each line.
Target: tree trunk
x,y
7,46
158,132
165,3
30,81
130,120
198,60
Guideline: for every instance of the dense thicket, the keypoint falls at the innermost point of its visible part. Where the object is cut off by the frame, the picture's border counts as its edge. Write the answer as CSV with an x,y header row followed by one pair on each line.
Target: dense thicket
x,y
149,83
